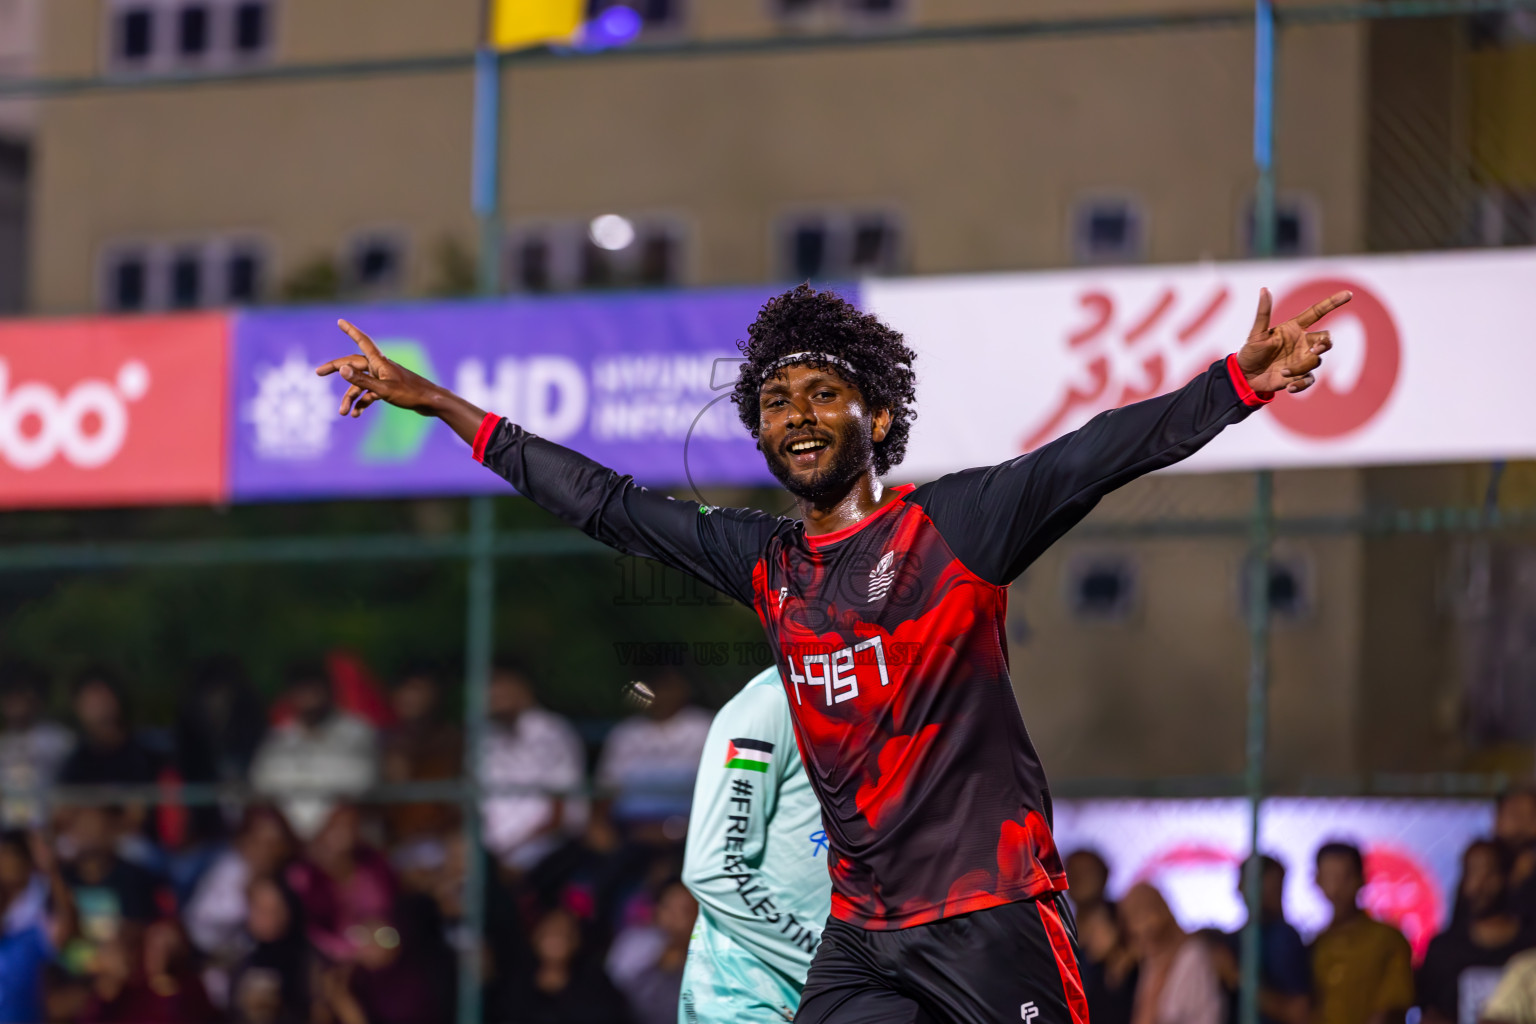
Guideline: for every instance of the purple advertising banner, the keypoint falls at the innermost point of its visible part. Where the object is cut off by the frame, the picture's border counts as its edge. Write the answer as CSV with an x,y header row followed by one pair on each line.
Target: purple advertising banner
x,y
639,382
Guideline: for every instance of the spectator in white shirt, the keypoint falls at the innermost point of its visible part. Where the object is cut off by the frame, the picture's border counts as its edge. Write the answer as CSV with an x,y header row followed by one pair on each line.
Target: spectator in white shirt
x,y
320,754
32,748
526,745
649,762
216,914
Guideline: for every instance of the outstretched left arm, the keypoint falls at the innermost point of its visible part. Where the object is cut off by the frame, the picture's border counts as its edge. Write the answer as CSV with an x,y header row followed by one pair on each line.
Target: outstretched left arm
x,y
1028,503
1283,358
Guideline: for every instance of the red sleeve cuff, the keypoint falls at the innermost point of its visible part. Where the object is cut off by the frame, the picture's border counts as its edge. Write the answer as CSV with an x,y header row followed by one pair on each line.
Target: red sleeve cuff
x,y
1249,396
483,435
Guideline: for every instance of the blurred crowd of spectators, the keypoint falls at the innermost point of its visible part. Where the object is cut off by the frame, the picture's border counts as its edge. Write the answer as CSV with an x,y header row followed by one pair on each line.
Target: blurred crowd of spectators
x,y
302,900
1140,967
310,903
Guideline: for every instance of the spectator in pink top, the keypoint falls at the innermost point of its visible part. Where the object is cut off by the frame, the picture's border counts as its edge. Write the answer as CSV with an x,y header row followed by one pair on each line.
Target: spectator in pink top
x,y
346,887
1177,983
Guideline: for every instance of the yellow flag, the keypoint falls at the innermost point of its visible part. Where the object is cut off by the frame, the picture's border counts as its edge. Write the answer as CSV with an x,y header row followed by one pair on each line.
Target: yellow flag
x,y
516,24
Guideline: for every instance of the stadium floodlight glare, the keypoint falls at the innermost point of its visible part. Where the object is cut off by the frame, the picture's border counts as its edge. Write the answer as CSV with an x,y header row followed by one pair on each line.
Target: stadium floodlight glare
x,y
611,232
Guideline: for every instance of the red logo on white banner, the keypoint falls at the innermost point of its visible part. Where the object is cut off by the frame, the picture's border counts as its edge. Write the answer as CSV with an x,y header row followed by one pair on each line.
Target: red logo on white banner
x,y
1325,413
1401,891
1150,352
1129,354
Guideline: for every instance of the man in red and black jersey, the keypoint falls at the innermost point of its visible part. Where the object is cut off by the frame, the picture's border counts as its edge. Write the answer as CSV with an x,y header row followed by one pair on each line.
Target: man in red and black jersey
x,y
885,607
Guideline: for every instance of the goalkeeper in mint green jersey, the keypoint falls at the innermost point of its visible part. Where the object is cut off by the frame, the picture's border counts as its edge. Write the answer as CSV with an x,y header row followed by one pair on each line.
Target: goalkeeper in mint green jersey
x,y
757,863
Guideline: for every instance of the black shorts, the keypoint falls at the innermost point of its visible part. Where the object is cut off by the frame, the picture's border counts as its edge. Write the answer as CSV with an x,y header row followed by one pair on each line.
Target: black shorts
x,y
1011,963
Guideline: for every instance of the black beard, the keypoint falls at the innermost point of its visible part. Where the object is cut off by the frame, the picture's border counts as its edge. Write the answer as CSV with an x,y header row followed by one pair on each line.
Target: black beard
x,y
851,456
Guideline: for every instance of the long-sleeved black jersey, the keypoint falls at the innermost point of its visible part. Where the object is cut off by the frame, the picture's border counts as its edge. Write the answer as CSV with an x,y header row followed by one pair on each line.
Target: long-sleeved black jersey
x,y
890,636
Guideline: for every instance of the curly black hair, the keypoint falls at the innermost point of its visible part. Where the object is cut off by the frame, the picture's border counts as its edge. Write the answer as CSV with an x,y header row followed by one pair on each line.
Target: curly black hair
x,y
805,320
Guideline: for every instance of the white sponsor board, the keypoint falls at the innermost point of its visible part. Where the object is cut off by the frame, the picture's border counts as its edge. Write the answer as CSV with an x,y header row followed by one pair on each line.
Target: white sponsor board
x,y
1427,366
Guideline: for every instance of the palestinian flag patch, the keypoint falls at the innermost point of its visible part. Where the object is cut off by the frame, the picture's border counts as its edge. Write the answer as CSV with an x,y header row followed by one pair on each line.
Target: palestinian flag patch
x,y
751,755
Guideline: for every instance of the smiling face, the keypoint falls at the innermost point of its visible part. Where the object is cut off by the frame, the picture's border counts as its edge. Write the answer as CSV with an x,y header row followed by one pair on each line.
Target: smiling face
x,y
816,432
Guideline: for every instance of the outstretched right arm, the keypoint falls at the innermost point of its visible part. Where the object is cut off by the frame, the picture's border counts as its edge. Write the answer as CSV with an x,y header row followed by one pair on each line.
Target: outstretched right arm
x,y
372,377
719,547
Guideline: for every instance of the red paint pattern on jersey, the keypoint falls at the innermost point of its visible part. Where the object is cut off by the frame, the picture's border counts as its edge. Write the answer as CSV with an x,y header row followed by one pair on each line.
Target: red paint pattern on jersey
x,y
897,759
894,658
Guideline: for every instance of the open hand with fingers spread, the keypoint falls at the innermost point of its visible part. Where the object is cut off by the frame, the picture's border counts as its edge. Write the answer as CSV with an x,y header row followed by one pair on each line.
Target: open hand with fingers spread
x,y
1283,357
373,377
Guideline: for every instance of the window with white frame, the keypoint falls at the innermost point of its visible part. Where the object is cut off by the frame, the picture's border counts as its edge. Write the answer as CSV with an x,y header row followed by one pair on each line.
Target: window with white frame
x,y
807,248
185,274
1502,29
375,264
186,278
251,30
873,8
830,13
1505,216
609,251
243,268
535,259
1297,227
1291,587
166,36
1108,229
798,8
1101,586
125,284
194,31
823,244
133,34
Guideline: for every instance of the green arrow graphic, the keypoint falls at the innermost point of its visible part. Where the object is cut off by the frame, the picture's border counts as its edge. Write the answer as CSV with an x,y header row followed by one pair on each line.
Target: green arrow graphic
x,y
398,435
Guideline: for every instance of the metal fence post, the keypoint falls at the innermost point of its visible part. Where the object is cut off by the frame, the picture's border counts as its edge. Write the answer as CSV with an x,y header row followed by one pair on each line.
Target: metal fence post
x,y
1264,128
1261,530
479,640
478,652
485,185
1262,522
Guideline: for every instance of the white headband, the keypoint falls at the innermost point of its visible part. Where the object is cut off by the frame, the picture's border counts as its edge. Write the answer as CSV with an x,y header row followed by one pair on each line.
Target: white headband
x,y
810,357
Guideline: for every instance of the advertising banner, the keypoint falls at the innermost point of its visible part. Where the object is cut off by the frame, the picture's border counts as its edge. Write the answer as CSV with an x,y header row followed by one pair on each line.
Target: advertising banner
x,y
104,411
1191,850
639,382
112,411
1421,369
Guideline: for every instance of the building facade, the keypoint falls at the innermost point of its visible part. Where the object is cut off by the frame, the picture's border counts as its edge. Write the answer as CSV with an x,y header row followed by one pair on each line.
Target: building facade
x,y
19,23
994,153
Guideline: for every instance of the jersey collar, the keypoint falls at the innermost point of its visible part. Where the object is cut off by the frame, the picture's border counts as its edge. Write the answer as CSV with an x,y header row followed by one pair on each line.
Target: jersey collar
x,y
817,540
